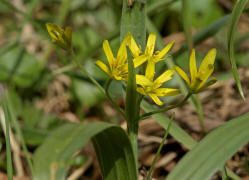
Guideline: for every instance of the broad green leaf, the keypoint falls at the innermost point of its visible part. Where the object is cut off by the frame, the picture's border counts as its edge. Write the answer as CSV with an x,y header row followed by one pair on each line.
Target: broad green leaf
x,y
211,153
237,11
18,66
114,148
133,21
115,154
86,93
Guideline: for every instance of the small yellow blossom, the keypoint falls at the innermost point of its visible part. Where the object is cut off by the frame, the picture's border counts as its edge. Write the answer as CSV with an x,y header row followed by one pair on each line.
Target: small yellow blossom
x,y
118,67
149,55
61,37
199,78
152,88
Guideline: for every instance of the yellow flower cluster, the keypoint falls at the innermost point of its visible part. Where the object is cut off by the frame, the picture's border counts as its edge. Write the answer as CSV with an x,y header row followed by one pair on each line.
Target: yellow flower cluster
x,y
147,84
118,67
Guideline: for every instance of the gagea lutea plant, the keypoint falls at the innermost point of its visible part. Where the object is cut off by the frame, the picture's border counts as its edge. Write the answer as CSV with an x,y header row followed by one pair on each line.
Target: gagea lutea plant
x,y
148,82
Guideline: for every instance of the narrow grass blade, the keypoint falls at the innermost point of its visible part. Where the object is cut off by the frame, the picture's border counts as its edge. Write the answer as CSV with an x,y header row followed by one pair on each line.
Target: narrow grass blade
x,y
112,145
236,13
224,174
213,151
19,134
7,139
160,147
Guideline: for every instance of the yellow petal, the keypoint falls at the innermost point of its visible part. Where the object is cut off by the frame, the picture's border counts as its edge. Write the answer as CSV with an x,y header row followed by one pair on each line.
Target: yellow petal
x,y
54,31
167,92
204,77
103,67
139,60
155,98
133,46
182,74
150,70
122,52
150,44
165,50
192,67
207,61
141,91
108,53
143,81
163,78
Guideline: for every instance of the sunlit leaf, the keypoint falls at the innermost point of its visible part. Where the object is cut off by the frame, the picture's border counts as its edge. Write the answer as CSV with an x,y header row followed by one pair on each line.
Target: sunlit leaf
x,y
115,154
213,151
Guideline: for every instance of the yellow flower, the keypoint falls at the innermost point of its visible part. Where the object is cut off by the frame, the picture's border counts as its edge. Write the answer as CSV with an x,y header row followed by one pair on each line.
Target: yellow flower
x,y
148,55
118,67
152,88
61,37
199,78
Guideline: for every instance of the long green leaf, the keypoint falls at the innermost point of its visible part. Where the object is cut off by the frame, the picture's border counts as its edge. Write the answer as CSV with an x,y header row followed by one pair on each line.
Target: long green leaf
x,y
237,11
133,21
112,145
213,151
186,17
205,33
178,133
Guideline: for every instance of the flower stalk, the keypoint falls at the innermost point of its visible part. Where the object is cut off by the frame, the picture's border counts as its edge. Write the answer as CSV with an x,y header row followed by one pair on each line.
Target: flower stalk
x,y
146,115
160,147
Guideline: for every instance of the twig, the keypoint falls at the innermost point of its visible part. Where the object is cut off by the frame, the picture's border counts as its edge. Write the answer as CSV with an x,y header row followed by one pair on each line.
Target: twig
x,y
78,172
14,146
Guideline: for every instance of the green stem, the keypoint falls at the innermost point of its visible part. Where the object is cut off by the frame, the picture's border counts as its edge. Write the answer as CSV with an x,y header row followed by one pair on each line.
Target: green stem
x,y
160,147
112,101
78,63
20,135
224,173
200,114
7,139
146,115
104,91
63,69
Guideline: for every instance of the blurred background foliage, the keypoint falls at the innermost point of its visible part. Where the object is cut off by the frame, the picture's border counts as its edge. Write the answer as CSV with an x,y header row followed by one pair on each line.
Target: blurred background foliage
x,y
44,87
